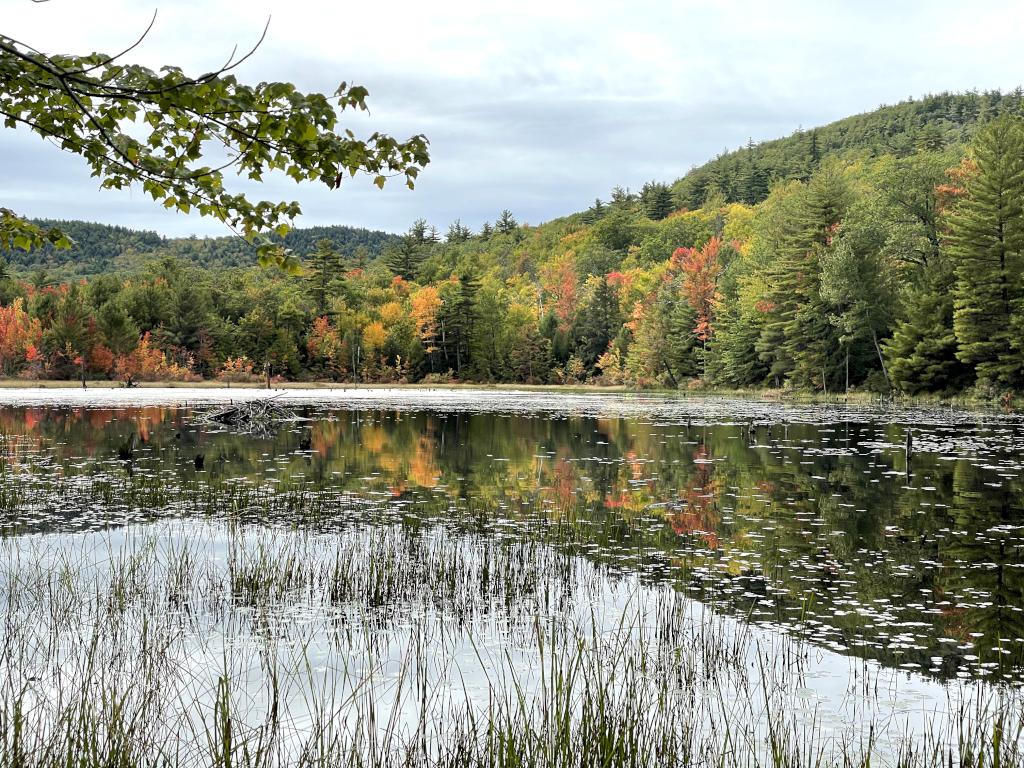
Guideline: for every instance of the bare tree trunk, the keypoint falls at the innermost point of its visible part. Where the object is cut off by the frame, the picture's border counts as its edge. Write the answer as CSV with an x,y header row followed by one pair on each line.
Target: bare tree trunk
x,y
878,349
671,375
847,393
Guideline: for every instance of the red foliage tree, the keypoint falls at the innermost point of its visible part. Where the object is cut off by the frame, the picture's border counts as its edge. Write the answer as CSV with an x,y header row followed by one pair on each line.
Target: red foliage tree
x,y
701,269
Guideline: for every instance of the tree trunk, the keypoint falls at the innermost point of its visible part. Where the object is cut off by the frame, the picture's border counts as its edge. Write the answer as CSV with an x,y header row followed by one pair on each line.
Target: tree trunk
x,y
881,360
847,393
671,375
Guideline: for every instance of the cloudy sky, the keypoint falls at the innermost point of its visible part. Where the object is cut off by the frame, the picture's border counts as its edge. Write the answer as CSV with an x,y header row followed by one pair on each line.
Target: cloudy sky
x,y
538,107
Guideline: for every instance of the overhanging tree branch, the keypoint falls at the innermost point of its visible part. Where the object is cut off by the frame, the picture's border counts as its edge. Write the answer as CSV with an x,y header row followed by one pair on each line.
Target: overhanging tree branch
x,y
92,105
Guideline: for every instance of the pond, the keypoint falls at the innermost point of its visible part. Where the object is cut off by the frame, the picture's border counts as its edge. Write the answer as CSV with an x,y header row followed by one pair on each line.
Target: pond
x,y
449,577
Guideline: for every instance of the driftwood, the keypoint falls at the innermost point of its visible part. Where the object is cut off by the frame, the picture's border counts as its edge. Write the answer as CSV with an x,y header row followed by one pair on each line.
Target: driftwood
x,y
254,416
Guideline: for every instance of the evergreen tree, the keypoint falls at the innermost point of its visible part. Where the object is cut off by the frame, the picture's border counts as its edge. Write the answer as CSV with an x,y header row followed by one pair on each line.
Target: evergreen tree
x,y
733,358
559,342
595,212
419,231
457,233
322,272
459,320
987,243
922,352
117,329
360,257
597,324
506,223
752,185
798,342
656,200
529,356
860,290
622,199
405,258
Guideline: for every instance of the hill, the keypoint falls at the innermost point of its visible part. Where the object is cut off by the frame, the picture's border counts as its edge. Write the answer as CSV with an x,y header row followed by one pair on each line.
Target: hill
x,y
867,264
101,248
930,123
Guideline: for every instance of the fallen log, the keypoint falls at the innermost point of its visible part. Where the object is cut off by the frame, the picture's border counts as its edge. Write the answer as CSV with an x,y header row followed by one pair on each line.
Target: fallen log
x,y
260,416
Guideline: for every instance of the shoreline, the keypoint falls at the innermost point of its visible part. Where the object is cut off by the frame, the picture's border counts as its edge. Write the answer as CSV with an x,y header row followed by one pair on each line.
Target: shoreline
x,y
761,396
766,393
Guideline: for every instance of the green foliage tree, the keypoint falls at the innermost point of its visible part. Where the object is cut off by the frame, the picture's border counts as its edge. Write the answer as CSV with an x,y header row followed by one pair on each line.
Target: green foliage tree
x,y
323,272
134,126
597,324
799,342
987,242
922,352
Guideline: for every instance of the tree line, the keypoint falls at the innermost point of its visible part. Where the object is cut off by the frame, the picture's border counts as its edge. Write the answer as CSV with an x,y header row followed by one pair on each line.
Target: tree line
x,y
880,272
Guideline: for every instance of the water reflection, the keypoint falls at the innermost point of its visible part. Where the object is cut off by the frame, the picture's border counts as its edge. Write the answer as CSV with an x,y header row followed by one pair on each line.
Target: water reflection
x,y
819,528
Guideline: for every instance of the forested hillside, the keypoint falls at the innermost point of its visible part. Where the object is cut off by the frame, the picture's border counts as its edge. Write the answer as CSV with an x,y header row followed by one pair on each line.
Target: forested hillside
x,y
929,123
100,248
893,259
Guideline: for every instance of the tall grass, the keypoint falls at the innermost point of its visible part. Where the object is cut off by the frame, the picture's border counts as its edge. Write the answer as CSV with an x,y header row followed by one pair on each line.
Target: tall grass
x,y
229,643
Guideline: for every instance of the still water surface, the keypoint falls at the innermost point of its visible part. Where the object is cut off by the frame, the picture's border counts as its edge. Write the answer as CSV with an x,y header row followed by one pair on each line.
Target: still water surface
x,y
797,522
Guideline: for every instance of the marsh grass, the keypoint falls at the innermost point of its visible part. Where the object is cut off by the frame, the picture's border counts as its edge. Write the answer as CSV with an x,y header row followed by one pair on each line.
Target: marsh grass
x,y
232,643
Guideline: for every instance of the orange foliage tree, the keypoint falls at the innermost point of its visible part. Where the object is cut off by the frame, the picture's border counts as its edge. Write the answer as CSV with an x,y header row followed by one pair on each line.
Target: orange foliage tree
x,y
237,369
148,363
701,269
560,282
19,334
425,306
325,344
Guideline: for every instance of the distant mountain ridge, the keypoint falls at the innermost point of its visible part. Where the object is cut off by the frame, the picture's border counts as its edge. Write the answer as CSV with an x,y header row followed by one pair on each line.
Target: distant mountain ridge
x,y
103,248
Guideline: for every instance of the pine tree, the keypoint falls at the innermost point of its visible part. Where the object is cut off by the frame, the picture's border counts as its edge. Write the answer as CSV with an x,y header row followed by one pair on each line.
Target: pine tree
x,y
595,212
732,356
987,243
458,319
622,199
597,324
405,258
752,184
656,200
322,272
119,332
457,233
798,342
813,151
922,352
419,231
506,223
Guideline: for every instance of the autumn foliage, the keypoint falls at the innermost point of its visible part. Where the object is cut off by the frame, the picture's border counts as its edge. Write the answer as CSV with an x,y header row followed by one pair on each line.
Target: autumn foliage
x,y
701,269
148,363
20,337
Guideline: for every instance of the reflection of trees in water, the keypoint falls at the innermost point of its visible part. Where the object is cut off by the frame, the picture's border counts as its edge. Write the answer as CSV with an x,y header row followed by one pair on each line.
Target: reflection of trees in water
x,y
736,501
983,555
